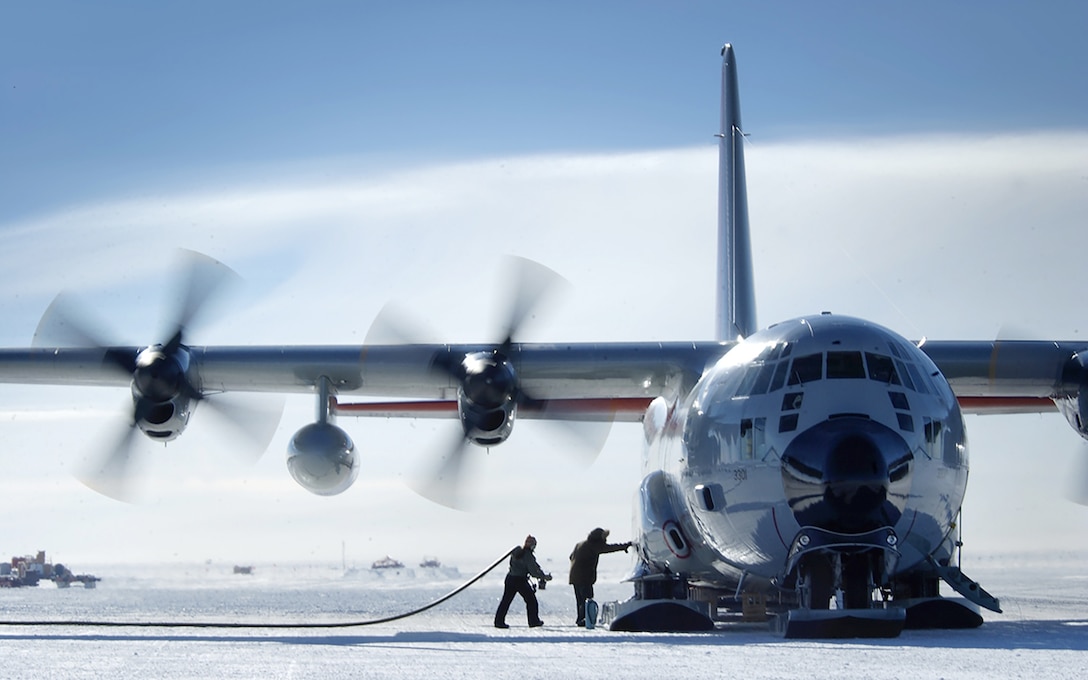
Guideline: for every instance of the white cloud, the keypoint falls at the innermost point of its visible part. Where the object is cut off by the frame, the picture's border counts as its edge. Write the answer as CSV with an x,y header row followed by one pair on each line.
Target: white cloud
x,y
938,236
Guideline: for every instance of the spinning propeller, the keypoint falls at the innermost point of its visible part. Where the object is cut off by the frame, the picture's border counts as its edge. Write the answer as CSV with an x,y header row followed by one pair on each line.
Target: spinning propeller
x,y
164,382
490,393
1077,414
1077,487
1075,410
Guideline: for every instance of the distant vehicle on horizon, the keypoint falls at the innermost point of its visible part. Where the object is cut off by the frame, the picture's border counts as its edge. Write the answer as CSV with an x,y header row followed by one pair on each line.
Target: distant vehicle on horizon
x,y
387,562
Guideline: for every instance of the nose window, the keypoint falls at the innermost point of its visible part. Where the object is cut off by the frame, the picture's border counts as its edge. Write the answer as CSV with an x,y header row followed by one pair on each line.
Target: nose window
x,y
845,365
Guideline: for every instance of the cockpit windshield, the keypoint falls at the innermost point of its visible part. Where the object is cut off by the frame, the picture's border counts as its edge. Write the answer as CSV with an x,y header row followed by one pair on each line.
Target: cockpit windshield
x,y
774,369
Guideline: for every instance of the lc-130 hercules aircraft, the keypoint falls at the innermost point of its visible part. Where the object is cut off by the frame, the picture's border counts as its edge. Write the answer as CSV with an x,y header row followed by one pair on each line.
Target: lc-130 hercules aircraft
x,y
814,469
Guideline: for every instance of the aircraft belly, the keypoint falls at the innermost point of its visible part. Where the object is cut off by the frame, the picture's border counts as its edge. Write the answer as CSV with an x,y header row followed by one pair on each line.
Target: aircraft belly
x,y
673,540
752,529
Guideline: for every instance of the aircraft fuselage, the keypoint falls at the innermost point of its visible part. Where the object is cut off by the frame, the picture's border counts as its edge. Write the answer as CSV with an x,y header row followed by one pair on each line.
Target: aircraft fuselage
x,y
824,428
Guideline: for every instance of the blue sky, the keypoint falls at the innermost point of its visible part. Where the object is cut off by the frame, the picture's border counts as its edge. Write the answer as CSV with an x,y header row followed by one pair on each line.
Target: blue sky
x,y
921,165
99,96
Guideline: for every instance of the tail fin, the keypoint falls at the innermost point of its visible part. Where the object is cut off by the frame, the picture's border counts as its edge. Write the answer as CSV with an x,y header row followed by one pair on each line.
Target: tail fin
x,y
736,315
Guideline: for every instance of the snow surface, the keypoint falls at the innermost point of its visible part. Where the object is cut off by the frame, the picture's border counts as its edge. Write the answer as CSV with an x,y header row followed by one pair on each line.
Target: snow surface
x,y
1042,634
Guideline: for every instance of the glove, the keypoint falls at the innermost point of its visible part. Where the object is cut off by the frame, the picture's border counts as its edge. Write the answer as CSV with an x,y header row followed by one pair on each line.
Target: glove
x,y
547,577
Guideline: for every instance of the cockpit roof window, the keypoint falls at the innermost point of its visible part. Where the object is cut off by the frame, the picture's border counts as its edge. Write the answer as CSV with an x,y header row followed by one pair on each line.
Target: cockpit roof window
x,y
774,351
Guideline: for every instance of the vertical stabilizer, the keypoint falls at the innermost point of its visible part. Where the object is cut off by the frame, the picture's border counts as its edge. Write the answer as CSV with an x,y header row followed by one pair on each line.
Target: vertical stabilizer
x,y
736,316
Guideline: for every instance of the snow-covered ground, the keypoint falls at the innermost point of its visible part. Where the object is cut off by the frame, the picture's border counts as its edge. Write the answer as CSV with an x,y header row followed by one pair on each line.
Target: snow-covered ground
x,y
1042,634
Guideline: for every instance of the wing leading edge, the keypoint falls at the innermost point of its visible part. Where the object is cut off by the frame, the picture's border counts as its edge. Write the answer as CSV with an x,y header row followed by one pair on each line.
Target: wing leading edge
x,y
1018,376
549,371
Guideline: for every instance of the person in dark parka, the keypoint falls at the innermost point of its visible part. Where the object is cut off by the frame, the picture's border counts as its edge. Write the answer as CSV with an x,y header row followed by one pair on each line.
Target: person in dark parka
x,y
583,566
523,564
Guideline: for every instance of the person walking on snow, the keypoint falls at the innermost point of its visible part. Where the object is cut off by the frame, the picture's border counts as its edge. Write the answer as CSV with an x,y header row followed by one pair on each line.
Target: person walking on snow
x,y
523,564
583,566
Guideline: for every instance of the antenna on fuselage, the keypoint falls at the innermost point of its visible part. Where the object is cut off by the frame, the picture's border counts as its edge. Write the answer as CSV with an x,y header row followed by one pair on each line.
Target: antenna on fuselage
x,y
736,303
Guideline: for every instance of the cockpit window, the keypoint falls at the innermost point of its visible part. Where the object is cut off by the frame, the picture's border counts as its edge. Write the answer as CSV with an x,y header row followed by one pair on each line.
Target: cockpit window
x,y
881,368
806,369
763,379
845,365
779,376
903,373
745,387
757,378
916,377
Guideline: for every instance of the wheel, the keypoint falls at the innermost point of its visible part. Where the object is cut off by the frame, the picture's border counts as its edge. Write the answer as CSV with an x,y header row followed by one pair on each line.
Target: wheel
x,y
856,593
820,578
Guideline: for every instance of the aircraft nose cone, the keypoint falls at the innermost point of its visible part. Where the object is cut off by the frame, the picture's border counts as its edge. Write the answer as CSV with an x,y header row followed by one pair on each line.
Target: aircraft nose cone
x,y
848,475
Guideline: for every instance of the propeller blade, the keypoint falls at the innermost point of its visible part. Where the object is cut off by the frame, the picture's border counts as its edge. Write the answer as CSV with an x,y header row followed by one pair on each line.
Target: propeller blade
x,y
587,436
111,474
393,326
203,279
63,325
443,483
253,418
1077,484
533,283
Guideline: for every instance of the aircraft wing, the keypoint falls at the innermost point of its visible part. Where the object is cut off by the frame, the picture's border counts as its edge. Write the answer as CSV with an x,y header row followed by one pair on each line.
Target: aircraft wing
x,y
487,387
1016,376
561,382
985,375
569,371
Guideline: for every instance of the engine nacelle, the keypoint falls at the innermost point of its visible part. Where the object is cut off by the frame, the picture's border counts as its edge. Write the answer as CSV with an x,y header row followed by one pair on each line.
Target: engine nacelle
x,y
1075,410
487,399
321,457
486,426
162,403
162,421
1075,407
